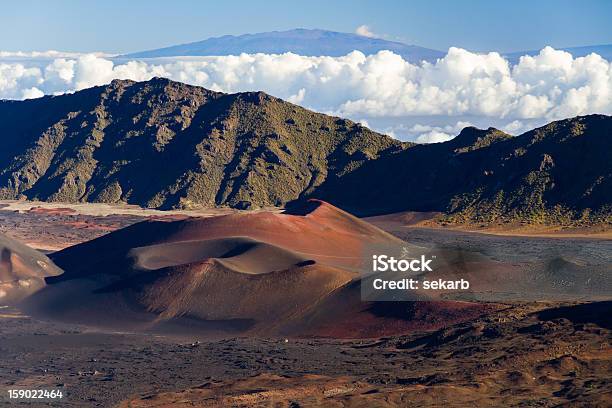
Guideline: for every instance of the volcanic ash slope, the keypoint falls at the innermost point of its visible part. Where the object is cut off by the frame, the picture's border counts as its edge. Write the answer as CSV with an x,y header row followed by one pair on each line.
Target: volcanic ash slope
x,y
258,272
22,270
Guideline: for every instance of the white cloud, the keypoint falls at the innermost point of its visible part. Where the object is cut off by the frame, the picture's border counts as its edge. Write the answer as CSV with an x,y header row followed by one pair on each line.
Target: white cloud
x,y
364,31
363,122
426,133
434,136
32,93
60,70
386,91
514,127
44,54
298,97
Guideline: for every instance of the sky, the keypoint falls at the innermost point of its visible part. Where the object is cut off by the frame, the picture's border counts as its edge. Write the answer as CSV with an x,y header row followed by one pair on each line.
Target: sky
x,y
473,84
119,26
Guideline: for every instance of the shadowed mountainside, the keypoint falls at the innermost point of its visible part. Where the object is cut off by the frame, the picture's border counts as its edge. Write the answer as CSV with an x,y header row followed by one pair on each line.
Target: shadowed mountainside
x,y
164,144
557,173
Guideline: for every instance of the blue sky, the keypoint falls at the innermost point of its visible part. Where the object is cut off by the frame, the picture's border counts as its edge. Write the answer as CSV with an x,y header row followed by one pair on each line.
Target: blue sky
x,y
124,26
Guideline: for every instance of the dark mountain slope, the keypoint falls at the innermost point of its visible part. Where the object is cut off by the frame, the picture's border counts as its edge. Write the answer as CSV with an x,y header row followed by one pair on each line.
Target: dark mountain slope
x,y
165,144
560,171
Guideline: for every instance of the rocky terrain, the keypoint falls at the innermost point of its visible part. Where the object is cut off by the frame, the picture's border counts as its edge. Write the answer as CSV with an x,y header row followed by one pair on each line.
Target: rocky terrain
x,y
140,325
541,355
50,227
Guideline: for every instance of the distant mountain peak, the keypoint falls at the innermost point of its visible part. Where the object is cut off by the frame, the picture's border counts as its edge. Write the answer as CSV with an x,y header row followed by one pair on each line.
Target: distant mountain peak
x,y
308,42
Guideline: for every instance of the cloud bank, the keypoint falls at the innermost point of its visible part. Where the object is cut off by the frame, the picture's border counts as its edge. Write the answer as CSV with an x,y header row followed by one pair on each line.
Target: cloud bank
x,y
425,102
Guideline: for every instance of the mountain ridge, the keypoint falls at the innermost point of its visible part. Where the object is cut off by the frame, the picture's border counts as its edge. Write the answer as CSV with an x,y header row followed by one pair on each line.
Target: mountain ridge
x,y
204,147
308,42
164,144
559,173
